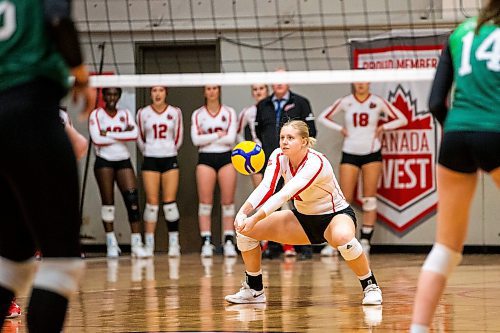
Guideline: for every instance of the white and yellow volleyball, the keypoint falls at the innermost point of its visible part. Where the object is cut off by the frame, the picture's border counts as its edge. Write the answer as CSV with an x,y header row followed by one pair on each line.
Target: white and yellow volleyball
x,y
248,157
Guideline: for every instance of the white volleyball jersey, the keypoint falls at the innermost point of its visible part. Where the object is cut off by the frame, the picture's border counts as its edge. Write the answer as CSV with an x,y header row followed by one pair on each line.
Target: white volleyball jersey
x,y
109,134
361,119
247,117
205,125
160,134
63,115
313,186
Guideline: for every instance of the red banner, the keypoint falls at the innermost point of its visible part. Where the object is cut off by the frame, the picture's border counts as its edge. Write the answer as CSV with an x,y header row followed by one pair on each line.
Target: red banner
x,y
407,189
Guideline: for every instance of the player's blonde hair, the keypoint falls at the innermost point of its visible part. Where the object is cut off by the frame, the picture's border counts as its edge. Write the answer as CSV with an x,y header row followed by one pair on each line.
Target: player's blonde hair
x,y
303,130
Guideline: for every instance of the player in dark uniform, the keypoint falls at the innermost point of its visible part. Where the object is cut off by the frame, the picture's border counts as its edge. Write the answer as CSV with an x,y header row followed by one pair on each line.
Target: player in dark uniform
x,y
471,141
38,173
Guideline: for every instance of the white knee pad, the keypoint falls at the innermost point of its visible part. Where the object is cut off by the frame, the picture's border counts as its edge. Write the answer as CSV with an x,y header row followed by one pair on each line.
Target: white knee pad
x,y
245,243
351,250
16,276
60,275
151,213
369,203
172,212
204,209
108,213
442,260
228,210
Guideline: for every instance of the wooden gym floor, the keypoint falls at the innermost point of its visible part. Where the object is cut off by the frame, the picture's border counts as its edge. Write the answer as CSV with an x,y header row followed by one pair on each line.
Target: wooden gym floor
x,y
318,295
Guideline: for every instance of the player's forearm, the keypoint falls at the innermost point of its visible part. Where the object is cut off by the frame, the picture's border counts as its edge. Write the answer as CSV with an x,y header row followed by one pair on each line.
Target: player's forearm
x,y
123,136
203,139
246,209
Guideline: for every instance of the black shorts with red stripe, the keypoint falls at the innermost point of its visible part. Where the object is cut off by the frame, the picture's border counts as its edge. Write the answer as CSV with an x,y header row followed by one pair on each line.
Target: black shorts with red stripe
x,y
315,225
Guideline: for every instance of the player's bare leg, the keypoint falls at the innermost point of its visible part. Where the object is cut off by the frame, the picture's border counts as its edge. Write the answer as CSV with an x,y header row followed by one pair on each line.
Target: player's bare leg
x,y
206,178
455,192
348,179
371,175
495,174
227,184
170,185
280,226
151,183
341,234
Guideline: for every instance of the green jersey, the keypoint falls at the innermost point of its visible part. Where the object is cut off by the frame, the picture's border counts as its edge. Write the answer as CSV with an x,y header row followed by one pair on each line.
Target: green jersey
x,y
25,49
476,67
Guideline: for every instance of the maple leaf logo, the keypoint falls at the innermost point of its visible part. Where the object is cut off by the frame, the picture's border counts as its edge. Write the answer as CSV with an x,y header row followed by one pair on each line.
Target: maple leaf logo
x,y
403,100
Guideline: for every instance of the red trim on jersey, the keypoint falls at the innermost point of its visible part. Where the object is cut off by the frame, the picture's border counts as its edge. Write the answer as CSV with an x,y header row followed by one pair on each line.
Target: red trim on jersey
x,y
361,101
333,201
332,111
229,122
110,116
126,116
273,182
97,121
178,126
215,115
240,122
196,123
339,192
298,167
312,179
139,121
159,112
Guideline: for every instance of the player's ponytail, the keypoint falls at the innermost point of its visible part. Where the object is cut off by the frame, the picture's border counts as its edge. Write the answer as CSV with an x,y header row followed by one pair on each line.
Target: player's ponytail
x,y
491,12
303,129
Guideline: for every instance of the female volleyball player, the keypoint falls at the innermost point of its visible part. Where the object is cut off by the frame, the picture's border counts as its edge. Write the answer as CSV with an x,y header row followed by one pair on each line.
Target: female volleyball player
x,y
109,129
160,137
321,215
213,130
471,141
361,149
247,117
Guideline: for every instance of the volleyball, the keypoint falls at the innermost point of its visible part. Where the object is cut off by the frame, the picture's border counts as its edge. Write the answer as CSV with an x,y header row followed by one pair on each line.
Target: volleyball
x,y
248,157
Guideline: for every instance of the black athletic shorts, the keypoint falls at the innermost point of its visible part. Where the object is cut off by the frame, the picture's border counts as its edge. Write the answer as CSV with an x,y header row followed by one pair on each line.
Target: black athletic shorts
x,y
467,151
315,225
360,160
116,165
160,164
215,160
39,193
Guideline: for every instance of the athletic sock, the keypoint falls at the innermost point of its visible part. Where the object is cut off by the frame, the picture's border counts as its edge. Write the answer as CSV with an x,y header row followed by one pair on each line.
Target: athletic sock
x,y
46,311
367,279
367,232
254,280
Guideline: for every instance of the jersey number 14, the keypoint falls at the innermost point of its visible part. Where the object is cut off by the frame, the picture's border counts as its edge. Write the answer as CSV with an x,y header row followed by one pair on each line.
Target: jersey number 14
x,y
488,50
8,11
